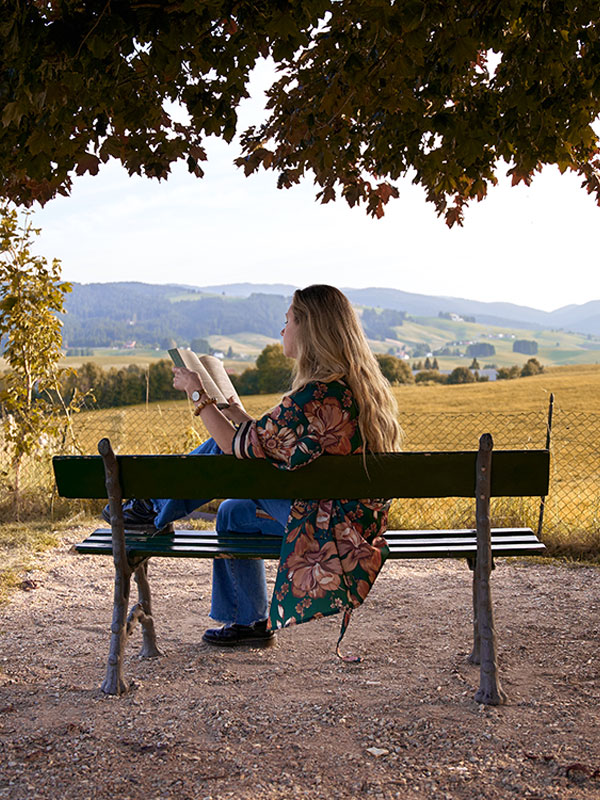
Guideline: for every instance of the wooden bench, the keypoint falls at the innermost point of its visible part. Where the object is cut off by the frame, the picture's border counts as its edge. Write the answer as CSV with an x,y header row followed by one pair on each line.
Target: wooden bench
x,y
515,473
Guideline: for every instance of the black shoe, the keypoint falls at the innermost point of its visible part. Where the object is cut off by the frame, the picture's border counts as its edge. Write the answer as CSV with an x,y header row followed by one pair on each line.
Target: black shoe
x,y
233,635
136,513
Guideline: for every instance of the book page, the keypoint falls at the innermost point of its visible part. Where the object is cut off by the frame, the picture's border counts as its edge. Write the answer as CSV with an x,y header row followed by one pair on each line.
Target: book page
x,y
214,366
185,358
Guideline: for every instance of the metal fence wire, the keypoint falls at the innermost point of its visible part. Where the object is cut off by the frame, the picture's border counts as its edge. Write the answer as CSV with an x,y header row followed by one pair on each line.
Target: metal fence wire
x,y
572,508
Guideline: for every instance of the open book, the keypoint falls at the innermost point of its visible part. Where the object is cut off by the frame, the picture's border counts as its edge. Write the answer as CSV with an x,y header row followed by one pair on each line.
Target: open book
x,y
212,373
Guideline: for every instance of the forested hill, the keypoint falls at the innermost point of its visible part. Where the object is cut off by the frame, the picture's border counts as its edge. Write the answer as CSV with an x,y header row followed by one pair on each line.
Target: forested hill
x,y
105,314
102,314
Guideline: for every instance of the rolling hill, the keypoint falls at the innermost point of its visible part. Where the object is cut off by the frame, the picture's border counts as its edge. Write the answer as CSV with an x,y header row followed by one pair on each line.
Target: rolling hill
x,y
245,316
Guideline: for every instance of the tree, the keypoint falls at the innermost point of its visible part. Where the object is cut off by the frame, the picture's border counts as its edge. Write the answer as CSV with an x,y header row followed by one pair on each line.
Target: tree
x,y
32,298
532,367
508,373
474,364
461,375
368,91
275,370
200,345
247,382
273,373
394,369
480,349
430,376
526,346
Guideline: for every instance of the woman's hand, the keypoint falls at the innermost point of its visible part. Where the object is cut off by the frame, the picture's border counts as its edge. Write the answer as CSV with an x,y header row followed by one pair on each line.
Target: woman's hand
x,y
187,380
236,411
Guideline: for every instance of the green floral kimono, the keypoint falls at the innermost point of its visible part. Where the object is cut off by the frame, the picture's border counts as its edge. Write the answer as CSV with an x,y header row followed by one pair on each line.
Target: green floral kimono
x,y
332,550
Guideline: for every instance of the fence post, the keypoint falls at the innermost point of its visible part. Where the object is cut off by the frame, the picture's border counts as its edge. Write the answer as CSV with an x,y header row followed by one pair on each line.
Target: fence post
x,y
548,437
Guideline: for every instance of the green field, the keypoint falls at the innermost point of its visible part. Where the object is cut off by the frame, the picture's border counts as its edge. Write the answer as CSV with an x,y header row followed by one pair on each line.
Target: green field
x,y
555,347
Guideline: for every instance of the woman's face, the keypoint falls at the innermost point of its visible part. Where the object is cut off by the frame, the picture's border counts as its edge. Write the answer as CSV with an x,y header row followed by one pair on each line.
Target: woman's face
x,y
289,333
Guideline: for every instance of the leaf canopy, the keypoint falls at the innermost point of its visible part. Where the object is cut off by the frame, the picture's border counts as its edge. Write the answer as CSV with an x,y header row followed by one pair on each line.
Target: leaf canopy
x,y
368,91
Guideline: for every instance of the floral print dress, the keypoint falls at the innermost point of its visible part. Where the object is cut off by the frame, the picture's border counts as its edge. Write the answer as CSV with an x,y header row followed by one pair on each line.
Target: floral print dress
x,y
332,550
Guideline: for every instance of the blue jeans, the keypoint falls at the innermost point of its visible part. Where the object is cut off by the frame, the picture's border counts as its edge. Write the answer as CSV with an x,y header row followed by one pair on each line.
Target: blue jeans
x,y
239,588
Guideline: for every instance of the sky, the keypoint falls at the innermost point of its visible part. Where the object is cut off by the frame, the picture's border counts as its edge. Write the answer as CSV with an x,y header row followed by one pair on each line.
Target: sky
x,y
535,246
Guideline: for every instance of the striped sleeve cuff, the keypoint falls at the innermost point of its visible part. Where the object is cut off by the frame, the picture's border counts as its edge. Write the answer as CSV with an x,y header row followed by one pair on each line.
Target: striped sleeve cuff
x,y
241,440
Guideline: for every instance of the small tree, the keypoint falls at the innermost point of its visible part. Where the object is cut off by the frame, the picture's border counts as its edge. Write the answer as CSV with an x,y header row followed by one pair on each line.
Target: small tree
x,y
394,370
526,346
474,364
275,370
532,367
508,373
30,329
247,382
461,375
480,349
430,376
200,345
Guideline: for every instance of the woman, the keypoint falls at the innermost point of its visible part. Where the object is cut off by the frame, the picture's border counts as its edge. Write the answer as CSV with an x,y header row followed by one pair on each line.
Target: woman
x,y
332,550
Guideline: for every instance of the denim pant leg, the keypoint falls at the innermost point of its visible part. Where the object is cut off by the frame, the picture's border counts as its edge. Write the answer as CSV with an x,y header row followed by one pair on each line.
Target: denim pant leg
x,y
239,591
170,510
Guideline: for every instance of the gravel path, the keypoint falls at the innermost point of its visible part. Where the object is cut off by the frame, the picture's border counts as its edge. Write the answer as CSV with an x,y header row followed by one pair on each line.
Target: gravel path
x,y
291,721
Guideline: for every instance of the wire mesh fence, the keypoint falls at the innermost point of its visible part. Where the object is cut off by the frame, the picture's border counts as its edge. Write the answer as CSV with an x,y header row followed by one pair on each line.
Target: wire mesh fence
x,y
571,521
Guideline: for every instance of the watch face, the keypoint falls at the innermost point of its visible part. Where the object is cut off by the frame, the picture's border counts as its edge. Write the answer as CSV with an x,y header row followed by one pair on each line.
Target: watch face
x,y
195,396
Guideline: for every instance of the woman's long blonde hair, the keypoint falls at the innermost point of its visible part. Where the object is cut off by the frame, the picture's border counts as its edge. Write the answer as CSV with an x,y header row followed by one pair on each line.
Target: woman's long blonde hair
x,y
331,345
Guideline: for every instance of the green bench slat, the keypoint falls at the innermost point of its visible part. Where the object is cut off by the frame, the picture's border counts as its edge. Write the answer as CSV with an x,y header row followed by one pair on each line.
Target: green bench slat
x,y
515,473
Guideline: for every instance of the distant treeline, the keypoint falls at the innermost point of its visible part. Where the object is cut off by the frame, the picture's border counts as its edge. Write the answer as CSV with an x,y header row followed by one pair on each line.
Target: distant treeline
x,y
138,384
123,386
135,384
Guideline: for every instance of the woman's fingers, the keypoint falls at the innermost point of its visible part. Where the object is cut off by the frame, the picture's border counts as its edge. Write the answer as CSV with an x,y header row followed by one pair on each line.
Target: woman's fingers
x,y
187,380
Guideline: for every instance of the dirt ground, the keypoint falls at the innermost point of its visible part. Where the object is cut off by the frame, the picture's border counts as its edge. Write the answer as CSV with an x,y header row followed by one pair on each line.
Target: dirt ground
x,y
291,720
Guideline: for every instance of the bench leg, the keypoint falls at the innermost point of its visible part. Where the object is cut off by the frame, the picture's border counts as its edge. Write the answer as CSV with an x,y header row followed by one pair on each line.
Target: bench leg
x,y
114,683
475,656
142,612
490,692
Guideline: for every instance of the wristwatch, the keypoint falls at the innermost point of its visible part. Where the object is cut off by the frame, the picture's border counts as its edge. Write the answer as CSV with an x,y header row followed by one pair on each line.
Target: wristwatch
x,y
195,396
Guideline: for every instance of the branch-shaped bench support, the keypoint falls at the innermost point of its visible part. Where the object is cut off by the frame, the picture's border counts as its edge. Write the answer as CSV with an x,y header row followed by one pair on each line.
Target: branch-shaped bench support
x,y
142,612
122,625
484,648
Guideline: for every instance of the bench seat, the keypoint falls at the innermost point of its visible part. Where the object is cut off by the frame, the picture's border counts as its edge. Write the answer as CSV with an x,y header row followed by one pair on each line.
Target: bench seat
x,y
402,544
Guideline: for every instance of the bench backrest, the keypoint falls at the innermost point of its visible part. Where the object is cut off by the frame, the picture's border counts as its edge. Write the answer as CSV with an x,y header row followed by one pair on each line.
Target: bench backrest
x,y
515,473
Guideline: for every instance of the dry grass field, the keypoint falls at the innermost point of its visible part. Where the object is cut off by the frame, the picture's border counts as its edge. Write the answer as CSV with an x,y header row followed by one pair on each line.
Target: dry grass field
x,y
433,417
576,388
438,417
